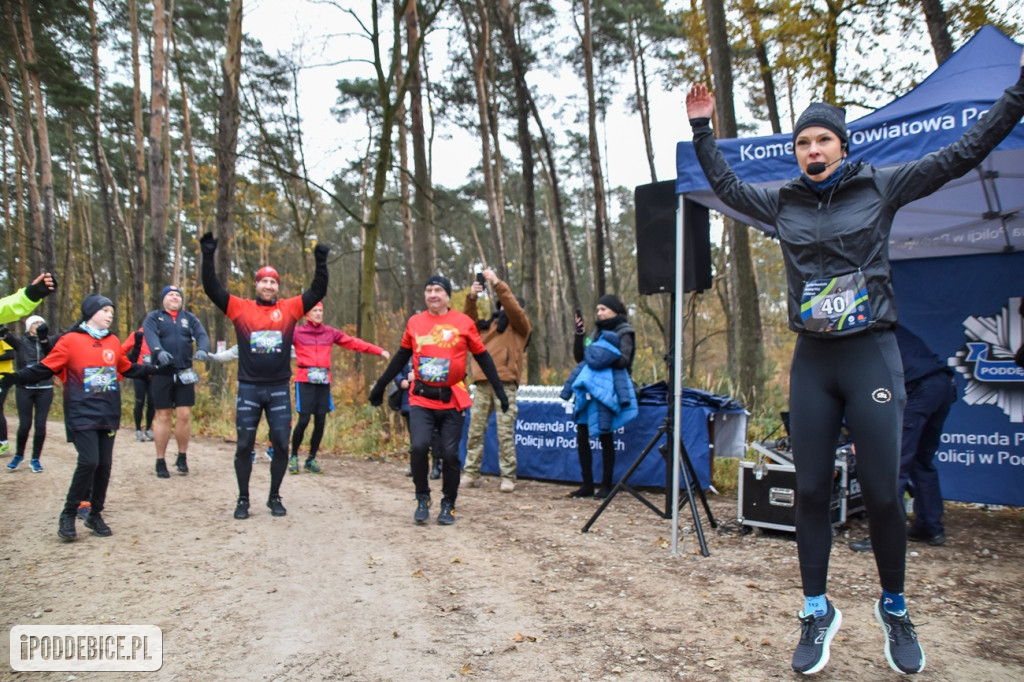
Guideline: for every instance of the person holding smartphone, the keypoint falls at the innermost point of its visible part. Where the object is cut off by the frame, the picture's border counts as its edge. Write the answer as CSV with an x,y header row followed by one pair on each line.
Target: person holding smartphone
x,y
506,334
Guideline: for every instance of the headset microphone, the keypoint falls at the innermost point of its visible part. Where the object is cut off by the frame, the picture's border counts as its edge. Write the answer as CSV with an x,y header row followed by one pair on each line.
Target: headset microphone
x,y
818,167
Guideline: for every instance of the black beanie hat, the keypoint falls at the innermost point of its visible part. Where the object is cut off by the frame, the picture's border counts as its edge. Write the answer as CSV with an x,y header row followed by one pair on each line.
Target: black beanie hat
x,y
612,302
824,115
440,280
92,304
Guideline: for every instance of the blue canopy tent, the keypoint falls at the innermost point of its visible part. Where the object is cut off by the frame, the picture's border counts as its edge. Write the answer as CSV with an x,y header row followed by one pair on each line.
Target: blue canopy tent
x,y
958,255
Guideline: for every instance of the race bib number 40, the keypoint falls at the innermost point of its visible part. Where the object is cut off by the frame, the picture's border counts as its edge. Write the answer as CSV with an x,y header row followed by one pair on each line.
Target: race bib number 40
x,y
836,304
100,379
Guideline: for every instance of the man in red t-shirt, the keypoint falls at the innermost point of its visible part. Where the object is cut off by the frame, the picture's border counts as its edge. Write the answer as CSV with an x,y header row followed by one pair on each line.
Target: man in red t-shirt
x,y
438,342
264,326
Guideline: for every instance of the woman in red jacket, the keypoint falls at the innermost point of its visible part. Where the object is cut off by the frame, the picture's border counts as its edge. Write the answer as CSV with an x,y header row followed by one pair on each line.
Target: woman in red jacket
x,y
89,362
313,342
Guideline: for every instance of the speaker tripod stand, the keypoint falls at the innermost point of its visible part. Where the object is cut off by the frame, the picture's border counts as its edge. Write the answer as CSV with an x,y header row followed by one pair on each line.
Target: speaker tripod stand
x,y
689,480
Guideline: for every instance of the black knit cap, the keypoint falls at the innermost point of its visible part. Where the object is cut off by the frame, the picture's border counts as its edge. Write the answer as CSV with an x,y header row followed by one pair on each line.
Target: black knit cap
x,y
824,115
440,280
92,304
613,303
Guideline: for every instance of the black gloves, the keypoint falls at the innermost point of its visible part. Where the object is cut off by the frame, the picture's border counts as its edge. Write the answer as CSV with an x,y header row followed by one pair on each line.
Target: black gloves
x,y
207,244
320,252
37,291
503,399
42,331
164,358
376,393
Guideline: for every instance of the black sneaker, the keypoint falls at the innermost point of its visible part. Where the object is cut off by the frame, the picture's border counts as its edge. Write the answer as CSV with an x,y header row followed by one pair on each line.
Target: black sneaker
x,y
445,516
422,509
66,529
861,545
276,508
242,508
603,492
435,472
181,464
95,523
161,468
584,491
915,534
816,633
902,649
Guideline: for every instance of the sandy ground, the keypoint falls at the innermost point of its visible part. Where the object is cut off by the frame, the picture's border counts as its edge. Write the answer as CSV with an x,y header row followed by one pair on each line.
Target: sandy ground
x,y
347,587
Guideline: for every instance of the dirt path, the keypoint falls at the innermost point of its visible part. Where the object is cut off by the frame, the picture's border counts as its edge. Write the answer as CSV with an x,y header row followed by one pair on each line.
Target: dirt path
x,y
347,587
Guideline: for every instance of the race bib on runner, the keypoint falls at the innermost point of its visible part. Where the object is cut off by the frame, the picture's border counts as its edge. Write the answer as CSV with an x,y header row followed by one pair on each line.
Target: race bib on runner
x,y
266,341
434,370
316,375
836,304
100,379
187,376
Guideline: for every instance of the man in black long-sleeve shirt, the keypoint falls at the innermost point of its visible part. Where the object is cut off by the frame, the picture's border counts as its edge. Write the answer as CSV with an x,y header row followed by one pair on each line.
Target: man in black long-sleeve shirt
x,y
264,326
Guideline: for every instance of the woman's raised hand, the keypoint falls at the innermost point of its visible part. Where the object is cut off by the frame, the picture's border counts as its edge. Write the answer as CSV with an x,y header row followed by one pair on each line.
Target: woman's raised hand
x,y
699,102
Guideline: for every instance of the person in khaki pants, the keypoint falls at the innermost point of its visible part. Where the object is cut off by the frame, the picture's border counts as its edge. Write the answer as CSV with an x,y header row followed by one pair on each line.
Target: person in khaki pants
x,y
505,334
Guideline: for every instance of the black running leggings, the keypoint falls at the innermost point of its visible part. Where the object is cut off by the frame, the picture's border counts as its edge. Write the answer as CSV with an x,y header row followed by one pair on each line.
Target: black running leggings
x,y
319,420
92,472
858,378
253,401
586,453
143,401
37,400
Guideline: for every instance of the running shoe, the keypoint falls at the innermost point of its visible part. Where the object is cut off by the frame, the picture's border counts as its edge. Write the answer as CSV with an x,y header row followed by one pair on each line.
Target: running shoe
x,y
97,525
5,448
161,468
37,468
149,435
422,509
902,649
15,461
276,508
312,467
84,507
816,634
140,436
270,453
66,528
181,464
242,508
445,516
293,464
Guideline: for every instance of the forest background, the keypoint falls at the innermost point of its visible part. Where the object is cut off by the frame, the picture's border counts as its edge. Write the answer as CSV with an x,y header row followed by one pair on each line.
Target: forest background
x,y
128,128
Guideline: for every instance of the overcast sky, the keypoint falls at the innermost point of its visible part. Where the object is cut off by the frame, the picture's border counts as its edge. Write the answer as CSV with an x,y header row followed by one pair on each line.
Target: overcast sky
x,y
324,35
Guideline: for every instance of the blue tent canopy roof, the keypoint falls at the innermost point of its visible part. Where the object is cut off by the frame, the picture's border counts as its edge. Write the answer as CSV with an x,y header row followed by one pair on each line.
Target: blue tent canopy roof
x,y
981,212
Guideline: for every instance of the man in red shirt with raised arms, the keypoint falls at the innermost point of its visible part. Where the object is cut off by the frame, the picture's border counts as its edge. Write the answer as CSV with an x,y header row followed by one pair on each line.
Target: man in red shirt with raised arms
x,y
264,326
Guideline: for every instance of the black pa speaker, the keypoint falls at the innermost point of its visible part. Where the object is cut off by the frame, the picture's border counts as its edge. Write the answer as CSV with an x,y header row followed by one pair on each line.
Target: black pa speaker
x,y
656,244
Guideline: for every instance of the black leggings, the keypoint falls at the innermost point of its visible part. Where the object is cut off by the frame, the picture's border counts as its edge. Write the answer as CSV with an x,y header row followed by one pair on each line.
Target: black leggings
x,y
607,441
92,473
31,400
143,401
3,418
253,400
319,420
860,379
440,430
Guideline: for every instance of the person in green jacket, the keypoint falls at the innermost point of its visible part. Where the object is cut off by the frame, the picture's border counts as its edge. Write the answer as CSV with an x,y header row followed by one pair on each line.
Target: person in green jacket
x,y
23,301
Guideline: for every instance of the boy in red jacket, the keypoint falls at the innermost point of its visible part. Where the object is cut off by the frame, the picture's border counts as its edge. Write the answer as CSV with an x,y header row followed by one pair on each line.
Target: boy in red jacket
x,y
89,362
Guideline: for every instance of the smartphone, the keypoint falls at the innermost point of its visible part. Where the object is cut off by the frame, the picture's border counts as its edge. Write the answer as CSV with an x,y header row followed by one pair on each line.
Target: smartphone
x,y
480,278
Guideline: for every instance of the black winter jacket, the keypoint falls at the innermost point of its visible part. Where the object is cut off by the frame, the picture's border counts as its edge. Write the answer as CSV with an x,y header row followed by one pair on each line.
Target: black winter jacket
x,y
847,227
163,332
30,351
